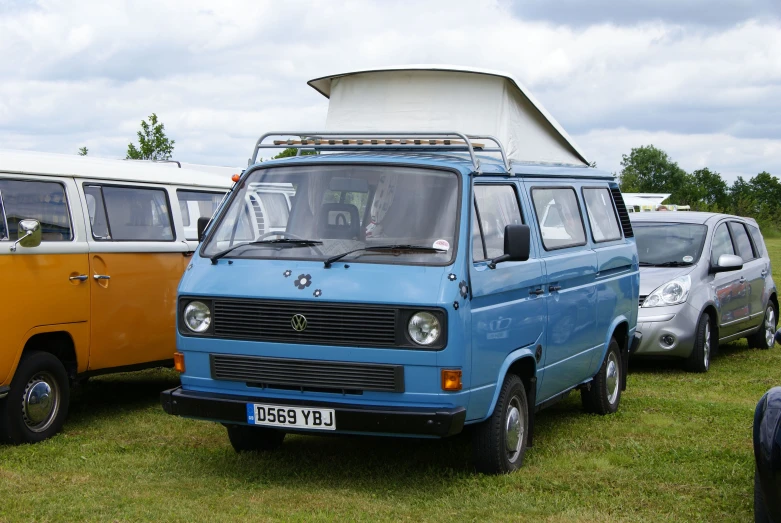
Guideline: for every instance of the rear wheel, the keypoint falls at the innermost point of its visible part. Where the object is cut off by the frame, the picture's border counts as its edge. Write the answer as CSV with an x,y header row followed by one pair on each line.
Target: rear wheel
x,y
604,392
760,510
251,439
37,404
764,338
499,443
699,359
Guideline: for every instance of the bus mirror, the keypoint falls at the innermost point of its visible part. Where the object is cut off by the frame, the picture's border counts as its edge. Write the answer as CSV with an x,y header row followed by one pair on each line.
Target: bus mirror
x,y
203,221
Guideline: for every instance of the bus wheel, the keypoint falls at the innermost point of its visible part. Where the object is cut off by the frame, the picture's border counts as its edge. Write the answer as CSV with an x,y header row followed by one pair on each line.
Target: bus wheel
x,y
37,404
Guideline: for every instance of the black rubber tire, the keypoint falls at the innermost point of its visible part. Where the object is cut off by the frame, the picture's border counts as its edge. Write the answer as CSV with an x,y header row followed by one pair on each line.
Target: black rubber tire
x,y
489,437
697,362
244,438
13,428
757,340
595,397
760,509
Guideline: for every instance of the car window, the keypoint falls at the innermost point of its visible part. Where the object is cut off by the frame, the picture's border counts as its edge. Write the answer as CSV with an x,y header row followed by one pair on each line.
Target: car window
x,y
759,245
742,242
42,201
3,225
194,205
558,215
721,244
498,207
128,213
601,215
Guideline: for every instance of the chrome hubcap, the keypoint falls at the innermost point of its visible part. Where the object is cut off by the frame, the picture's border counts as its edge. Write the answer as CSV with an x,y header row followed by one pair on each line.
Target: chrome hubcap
x,y
612,378
706,346
513,429
40,402
770,326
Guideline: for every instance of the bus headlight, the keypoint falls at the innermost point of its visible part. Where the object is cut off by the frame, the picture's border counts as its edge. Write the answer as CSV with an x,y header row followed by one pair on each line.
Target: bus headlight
x,y
197,316
424,328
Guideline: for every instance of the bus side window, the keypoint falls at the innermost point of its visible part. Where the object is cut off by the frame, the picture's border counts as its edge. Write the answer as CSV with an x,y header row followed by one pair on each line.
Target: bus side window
x,y
42,201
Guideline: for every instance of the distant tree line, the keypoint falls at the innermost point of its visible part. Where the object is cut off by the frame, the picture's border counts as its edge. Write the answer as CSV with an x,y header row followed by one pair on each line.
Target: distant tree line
x,y
648,169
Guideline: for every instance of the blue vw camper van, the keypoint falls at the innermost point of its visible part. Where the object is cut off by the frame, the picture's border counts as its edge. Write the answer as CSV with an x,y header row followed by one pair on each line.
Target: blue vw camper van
x,y
413,283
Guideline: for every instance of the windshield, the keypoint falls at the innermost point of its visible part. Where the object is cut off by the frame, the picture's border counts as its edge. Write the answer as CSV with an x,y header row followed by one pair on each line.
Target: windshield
x,y
669,243
337,209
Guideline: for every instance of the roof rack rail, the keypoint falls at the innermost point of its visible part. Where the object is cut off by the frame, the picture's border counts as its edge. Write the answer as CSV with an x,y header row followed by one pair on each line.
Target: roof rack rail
x,y
387,140
154,161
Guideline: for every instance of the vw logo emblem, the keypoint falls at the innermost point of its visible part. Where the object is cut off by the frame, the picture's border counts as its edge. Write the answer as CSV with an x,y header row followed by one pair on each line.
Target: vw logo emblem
x,y
298,322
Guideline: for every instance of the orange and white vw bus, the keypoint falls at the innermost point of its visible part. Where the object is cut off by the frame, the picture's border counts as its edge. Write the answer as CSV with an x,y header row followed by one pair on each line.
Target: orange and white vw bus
x,y
91,253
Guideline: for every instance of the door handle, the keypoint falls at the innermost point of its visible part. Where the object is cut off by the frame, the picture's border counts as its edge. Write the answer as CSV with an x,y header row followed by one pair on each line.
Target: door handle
x,y
537,292
763,273
742,279
554,288
101,277
80,277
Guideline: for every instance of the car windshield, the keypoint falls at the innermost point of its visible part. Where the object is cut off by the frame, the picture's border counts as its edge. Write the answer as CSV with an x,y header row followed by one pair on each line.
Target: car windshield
x,y
669,244
337,209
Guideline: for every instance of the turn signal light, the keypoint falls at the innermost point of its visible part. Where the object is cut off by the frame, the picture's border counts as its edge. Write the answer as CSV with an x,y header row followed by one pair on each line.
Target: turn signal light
x,y
179,362
235,178
451,379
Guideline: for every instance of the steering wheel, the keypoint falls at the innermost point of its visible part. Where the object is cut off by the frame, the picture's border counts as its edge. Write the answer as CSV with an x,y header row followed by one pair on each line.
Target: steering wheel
x,y
291,236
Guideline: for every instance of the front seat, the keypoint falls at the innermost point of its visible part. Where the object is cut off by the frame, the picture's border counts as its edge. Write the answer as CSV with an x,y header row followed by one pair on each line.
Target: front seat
x,y
338,221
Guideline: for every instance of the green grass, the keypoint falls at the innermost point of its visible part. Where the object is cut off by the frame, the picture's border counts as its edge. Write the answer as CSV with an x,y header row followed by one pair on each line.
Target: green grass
x,y
679,449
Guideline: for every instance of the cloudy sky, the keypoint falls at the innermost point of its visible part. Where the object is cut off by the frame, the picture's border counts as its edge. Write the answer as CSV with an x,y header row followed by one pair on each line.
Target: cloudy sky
x,y
699,78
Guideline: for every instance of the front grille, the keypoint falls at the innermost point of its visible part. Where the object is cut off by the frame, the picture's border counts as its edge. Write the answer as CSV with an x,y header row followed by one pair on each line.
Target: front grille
x,y
642,299
326,323
307,374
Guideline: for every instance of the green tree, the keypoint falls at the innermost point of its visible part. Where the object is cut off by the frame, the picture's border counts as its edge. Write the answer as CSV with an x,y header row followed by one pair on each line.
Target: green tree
x,y
648,169
153,144
713,191
291,151
83,151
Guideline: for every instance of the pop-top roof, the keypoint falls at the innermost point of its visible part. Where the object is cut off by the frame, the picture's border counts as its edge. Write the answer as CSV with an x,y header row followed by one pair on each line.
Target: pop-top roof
x,y
444,97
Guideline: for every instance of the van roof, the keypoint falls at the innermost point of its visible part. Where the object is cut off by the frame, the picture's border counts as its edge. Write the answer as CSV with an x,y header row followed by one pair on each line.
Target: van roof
x,y
52,164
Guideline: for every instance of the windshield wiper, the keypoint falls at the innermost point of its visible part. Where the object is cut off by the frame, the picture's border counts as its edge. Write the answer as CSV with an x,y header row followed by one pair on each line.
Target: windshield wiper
x,y
666,264
283,241
646,264
327,263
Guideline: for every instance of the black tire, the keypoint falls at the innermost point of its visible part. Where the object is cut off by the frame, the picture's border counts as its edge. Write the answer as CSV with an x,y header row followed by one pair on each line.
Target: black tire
x,y
760,509
37,404
704,344
244,438
761,339
490,438
604,392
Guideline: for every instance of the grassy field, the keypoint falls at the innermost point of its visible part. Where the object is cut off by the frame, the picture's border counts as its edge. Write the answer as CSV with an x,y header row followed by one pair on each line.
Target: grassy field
x,y
678,449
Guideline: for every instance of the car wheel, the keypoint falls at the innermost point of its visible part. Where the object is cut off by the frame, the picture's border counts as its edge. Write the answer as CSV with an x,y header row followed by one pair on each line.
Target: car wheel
x,y
699,359
764,338
499,443
252,439
604,392
760,510
37,404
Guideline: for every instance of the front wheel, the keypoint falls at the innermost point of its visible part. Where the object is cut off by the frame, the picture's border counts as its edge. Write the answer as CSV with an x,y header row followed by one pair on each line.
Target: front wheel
x,y
252,439
499,443
604,393
699,359
37,404
764,338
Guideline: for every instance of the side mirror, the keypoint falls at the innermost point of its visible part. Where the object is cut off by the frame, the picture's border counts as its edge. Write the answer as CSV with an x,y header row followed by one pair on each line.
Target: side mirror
x,y
726,263
203,221
517,244
29,234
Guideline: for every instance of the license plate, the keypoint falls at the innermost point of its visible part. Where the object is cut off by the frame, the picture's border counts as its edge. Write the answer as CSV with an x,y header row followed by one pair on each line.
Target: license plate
x,y
291,417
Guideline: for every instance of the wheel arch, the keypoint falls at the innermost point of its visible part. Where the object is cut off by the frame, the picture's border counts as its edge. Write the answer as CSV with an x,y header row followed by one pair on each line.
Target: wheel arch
x,y
59,344
522,363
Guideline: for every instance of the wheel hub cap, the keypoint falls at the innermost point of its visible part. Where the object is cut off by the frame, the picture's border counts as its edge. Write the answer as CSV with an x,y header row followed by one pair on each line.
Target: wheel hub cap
x,y
513,430
706,346
612,380
40,403
770,326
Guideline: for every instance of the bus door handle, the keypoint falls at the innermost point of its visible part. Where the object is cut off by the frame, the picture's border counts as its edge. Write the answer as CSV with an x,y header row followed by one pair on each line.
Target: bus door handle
x,y
536,292
80,277
102,277
554,288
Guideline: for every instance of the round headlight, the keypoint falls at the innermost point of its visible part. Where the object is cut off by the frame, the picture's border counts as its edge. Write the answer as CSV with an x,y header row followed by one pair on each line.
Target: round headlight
x,y
197,316
424,328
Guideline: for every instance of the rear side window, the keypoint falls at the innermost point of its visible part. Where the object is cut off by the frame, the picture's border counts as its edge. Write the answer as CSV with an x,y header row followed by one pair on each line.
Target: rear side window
x,y
601,215
497,207
759,245
194,205
558,215
128,213
742,242
42,201
721,244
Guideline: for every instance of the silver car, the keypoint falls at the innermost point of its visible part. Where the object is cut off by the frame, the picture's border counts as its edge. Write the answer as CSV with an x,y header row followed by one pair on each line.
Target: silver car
x,y
704,279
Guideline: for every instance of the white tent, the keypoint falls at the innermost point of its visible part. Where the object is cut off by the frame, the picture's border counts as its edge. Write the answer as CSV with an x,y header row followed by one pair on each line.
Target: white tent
x,y
644,199
422,98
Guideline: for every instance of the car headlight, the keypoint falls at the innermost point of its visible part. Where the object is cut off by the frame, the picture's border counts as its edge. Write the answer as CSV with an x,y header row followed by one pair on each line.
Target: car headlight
x,y
197,316
424,328
673,292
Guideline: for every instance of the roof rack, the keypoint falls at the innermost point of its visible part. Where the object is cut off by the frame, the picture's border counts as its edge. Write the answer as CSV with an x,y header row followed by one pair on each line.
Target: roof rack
x,y
384,141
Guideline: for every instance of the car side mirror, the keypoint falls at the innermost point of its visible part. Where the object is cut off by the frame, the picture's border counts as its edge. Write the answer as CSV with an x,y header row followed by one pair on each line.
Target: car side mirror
x,y
517,244
203,221
29,234
726,263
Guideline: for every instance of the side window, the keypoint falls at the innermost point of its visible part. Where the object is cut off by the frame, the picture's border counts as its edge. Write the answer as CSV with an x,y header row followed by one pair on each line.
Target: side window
x,y
128,213
498,207
194,205
742,242
3,224
558,215
42,201
601,215
721,244
759,245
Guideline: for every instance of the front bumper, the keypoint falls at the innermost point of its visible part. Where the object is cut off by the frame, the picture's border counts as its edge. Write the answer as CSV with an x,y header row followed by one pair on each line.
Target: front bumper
x,y
680,322
407,421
